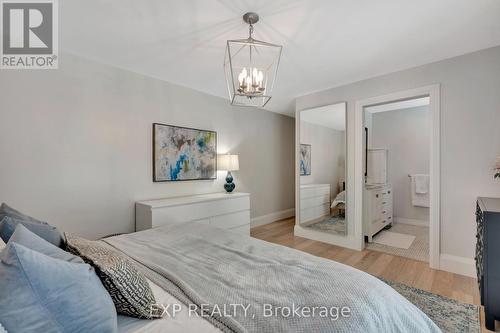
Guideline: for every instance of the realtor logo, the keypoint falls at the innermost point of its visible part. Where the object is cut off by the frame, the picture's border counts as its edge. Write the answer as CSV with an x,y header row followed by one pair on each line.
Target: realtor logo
x,y
29,34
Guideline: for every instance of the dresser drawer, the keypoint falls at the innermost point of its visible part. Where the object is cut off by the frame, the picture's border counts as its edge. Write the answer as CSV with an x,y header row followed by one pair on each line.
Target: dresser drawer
x,y
314,191
198,211
313,213
315,201
233,220
220,209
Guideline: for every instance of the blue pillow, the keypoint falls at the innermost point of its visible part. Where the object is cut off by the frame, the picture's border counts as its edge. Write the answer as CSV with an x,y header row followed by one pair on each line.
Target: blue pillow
x,y
42,294
6,210
30,240
47,232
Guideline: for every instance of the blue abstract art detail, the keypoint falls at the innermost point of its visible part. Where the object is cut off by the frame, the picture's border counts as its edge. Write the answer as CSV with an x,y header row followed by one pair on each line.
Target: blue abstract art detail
x,y
181,153
305,160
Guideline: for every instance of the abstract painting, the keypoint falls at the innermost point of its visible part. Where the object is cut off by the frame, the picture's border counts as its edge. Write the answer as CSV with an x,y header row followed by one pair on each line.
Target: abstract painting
x,y
181,153
305,160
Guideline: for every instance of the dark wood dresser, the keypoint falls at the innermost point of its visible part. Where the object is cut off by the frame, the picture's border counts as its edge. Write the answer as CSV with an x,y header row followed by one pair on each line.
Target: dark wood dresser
x,y
488,257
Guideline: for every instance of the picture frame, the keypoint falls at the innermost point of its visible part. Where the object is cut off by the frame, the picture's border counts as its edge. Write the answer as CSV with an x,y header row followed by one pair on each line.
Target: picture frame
x,y
305,159
183,153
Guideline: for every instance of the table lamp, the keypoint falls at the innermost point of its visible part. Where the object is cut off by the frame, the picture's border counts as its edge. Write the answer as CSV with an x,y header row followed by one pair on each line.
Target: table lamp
x,y
229,163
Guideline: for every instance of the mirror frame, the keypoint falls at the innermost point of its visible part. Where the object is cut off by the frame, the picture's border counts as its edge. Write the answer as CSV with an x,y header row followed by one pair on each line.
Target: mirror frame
x,y
331,238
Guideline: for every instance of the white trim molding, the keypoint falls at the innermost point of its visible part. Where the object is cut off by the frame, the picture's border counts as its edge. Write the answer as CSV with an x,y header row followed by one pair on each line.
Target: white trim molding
x,y
404,220
273,217
433,92
458,265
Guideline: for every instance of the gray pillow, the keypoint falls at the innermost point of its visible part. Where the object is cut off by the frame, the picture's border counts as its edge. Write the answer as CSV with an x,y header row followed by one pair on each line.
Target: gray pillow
x,y
47,232
30,240
42,294
129,289
6,210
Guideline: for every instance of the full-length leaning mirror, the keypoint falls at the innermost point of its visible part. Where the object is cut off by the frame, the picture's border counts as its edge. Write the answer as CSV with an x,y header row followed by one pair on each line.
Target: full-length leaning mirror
x,y
322,170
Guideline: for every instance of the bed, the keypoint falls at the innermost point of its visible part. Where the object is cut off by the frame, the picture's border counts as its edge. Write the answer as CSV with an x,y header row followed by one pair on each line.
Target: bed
x,y
339,201
205,268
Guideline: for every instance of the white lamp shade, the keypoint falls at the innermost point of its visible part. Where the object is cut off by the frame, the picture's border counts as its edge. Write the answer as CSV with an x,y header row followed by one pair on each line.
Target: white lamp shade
x,y
228,162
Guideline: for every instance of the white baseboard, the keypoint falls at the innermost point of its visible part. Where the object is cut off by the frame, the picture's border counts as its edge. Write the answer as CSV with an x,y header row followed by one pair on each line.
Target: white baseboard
x,y
273,217
416,222
326,237
458,265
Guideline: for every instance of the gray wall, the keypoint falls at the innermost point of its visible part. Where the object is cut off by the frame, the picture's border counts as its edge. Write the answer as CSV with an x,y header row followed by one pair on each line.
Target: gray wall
x,y
327,155
406,134
470,132
75,145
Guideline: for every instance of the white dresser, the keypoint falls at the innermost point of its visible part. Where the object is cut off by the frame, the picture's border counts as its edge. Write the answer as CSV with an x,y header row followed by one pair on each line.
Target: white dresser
x,y
314,202
228,211
377,209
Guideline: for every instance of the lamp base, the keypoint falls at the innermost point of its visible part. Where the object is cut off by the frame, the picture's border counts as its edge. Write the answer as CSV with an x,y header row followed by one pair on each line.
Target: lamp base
x,y
229,185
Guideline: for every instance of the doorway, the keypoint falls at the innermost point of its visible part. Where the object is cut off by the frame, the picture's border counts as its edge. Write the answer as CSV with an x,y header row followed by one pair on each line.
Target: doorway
x,y
396,192
374,192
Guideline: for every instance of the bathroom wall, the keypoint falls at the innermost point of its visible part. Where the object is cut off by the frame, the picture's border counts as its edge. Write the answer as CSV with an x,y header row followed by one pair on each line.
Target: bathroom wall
x,y
406,134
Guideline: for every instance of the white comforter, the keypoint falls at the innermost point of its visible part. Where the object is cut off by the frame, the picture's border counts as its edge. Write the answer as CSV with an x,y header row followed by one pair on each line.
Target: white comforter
x,y
339,199
210,265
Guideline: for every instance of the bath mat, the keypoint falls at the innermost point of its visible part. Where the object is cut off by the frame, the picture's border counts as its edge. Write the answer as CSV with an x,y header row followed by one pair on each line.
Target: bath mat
x,y
394,239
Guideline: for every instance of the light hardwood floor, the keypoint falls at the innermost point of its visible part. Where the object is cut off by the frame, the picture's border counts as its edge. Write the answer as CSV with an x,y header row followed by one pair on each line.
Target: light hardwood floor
x,y
408,271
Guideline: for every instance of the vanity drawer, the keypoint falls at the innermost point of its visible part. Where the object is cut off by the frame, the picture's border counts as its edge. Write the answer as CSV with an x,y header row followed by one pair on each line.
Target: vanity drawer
x,y
386,209
386,219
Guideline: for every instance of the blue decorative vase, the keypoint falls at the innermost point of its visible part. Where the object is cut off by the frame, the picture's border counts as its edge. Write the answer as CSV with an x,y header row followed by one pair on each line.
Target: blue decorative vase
x,y
229,185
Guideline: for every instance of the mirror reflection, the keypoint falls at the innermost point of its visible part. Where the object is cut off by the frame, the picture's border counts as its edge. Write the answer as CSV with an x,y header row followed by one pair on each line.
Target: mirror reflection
x,y
323,169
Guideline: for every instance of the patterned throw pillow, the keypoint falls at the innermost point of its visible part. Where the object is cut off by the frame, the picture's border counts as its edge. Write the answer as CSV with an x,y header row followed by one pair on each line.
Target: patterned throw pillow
x,y
129,289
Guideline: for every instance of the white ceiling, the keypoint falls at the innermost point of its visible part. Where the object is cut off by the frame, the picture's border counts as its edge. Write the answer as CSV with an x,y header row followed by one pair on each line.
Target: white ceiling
x,y
401,105
326,42
331,116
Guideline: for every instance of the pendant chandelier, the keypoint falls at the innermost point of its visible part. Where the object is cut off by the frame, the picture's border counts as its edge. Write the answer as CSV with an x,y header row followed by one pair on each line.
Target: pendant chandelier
x,y
251,66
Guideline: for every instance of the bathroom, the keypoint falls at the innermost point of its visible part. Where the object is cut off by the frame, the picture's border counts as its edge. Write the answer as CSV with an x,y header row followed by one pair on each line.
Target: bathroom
x,y
397,162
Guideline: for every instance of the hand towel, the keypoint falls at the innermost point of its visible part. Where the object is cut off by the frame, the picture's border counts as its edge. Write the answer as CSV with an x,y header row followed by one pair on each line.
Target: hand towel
x,y
419,199
421,183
